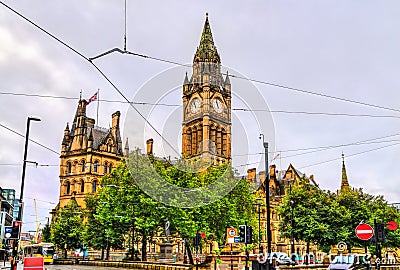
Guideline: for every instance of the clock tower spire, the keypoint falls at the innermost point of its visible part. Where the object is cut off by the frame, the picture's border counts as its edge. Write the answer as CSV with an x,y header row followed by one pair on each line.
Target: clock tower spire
x,y
206,126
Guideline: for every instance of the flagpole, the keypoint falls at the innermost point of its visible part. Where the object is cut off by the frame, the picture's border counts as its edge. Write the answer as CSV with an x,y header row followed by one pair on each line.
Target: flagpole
x,y
98,102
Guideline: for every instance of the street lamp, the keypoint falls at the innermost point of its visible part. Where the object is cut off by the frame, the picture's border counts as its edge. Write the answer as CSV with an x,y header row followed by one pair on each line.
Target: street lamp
x,y
266,182
24,165
19,218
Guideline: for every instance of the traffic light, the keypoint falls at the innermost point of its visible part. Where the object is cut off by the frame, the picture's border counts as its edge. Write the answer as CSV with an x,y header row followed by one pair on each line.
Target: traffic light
x,y
248,235
197,239
242,233
16,226
380,232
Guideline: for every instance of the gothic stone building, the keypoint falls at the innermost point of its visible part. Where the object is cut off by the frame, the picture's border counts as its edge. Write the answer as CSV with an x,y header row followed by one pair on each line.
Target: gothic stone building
x,y
206,126
88,153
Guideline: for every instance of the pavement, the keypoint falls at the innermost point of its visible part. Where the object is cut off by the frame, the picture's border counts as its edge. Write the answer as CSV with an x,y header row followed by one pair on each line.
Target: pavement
x,y
7,265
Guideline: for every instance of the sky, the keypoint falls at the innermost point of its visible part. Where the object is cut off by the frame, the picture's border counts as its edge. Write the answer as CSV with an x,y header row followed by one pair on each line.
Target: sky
x,y
328,71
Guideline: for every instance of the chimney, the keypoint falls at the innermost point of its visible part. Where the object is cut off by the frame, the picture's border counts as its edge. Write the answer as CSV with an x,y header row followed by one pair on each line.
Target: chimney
x,y
272,170
115,120
251,174
149,143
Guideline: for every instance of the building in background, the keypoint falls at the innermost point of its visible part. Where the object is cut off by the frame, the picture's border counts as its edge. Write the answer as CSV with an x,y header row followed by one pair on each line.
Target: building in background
x,y
6,212
88,153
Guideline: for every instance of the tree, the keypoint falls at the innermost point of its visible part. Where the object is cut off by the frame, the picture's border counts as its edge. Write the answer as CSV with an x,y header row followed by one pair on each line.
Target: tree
x,y
66,230
46,233
326,218
140,194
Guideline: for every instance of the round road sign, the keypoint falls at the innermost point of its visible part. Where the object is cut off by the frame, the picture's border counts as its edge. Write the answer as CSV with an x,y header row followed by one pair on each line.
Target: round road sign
x,y
364,231
392,225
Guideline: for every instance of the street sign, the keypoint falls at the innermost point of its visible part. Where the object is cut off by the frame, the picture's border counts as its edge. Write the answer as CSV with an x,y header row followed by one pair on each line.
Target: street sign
x,y
392,225
230,235
364,231
237,239
7,232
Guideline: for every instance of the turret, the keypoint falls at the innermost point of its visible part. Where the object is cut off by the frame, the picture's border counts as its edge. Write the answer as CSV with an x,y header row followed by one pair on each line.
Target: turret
x,y
126,149
206,61
345,182
66,139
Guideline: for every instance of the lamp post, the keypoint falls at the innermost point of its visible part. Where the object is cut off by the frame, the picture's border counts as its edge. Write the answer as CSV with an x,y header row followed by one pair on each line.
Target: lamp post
x,y
24,165
266,182
19,218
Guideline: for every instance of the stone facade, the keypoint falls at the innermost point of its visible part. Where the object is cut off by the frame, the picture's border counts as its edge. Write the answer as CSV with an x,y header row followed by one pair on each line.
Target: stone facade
x,y
206,126
88,153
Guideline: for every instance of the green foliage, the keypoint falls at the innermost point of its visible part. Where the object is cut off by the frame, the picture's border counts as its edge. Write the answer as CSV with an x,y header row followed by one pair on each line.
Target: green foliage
x,y
67,227
46,233
122,208
326,218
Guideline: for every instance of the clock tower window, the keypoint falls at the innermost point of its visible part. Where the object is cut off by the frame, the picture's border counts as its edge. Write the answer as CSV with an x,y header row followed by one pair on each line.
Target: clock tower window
x,y
194,141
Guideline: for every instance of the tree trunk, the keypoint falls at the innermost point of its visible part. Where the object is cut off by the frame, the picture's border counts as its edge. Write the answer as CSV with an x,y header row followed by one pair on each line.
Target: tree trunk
x,y
308,253
102,253
108,251
65,253
144,248
189,252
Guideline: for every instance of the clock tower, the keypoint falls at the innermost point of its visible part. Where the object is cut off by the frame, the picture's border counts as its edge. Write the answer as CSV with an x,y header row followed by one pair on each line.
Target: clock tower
x,y
206,126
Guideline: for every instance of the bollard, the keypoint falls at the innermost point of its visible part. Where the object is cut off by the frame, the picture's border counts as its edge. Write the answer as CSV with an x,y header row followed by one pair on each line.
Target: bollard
x,y
33,263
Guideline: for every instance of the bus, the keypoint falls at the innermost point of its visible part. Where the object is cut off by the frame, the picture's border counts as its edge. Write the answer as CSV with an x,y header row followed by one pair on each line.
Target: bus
x,y
45,250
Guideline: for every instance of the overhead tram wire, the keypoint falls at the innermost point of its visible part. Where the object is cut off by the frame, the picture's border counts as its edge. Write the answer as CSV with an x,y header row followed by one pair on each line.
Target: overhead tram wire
x,y
179,105
322,148
187,65
13,131
351,155
97,68
330,160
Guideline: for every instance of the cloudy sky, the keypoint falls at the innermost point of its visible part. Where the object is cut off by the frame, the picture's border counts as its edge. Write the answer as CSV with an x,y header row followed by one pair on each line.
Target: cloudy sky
x,y
337,61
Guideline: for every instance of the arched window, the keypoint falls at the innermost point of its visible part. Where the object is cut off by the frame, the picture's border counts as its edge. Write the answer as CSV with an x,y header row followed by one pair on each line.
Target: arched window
x,y
69,167
68,191
109,168
94,186
105,167
95,166
82,186
83,165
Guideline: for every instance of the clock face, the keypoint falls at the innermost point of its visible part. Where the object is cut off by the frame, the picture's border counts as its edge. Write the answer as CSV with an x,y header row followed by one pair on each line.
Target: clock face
x,y
195,105
218,105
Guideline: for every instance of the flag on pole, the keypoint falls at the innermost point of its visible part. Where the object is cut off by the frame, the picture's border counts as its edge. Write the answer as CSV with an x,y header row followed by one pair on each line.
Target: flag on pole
x,y
93,98
276,156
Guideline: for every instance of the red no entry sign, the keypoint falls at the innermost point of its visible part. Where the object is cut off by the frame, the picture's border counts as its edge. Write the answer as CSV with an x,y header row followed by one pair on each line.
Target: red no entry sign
x,y
364,231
